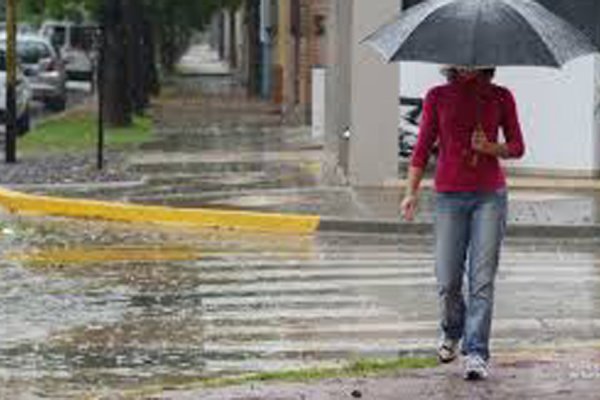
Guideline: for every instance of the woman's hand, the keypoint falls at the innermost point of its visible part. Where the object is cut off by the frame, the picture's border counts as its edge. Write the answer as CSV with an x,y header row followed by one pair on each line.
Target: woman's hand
x,y
409,207
411,200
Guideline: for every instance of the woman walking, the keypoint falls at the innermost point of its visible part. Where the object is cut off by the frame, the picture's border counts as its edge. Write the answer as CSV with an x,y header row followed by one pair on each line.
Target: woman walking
x,y
464,117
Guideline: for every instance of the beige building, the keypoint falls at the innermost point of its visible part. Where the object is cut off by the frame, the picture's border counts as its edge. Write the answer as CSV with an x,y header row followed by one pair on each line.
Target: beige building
x,y
301,44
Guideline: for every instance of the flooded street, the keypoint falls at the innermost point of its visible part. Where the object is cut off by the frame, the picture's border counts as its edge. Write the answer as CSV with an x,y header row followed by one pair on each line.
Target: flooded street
x,y
87,305
92,308
135,261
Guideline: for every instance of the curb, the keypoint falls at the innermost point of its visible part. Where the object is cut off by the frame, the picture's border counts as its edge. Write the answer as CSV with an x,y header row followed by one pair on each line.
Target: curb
x,y
426,228
373,226
21,203
524,183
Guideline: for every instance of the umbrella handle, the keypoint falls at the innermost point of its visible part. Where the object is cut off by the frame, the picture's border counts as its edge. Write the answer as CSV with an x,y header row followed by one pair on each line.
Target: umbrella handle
x,y
474,160
478,128
475,157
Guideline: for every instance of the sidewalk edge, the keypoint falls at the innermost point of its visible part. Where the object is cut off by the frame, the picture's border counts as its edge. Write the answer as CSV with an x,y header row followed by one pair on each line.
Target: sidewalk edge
x,y
422,228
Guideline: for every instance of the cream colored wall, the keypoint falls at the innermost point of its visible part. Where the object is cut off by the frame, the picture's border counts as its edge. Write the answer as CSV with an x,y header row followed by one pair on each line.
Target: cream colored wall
x,y
373,156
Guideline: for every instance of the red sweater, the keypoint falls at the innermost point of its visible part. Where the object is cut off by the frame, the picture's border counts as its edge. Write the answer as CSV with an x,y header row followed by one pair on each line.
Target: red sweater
x,y
450,117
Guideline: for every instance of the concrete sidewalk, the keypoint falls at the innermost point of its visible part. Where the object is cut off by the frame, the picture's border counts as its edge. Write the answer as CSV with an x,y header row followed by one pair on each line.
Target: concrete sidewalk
x,y
216,148
528,375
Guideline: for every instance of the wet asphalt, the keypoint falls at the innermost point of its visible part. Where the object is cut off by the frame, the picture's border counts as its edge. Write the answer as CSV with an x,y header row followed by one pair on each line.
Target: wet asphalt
x,y
91,307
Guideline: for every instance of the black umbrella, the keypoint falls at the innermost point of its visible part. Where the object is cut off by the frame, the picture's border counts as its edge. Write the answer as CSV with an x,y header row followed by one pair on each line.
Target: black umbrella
x,y
583,14
481,33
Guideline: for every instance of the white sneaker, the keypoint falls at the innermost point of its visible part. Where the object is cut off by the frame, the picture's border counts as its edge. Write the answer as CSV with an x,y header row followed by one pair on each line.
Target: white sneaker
x,y
447,350
476,368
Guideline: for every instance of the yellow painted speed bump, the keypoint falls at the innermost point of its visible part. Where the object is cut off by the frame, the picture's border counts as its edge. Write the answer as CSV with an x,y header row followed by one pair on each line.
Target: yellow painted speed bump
x,y
22,203
90,255
117,254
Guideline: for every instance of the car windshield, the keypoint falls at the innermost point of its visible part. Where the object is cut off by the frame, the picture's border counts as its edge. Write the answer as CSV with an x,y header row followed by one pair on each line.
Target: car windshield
x,y
31,51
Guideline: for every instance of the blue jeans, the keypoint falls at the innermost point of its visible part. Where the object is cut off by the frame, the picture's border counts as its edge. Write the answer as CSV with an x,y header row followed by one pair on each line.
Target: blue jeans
x,y
469,228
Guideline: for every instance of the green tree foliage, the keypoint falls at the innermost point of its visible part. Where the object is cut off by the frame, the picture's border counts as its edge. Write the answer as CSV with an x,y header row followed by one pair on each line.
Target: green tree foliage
x,y
75,10
155,31
173,21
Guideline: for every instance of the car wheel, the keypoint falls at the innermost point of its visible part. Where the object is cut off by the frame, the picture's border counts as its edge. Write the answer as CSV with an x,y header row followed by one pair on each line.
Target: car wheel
x,y
24,124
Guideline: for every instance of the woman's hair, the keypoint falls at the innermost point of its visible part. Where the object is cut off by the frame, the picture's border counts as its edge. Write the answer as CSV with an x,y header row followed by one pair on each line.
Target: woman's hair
x,y
451,73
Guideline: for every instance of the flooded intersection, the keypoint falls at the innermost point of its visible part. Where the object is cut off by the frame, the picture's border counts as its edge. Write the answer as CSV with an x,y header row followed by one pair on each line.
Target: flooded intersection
x,y
97,309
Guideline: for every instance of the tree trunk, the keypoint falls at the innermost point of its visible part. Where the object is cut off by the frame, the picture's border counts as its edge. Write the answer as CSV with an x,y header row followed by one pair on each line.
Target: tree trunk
x,y
222,28
168,42
132,17
117,103
252,27
233,61
151,81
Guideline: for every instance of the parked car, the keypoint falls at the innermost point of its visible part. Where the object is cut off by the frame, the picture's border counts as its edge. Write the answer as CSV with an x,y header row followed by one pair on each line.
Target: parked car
x,y
44,69
23,93
75,43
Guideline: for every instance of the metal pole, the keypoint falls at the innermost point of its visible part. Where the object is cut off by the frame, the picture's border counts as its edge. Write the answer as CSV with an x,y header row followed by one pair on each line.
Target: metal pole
x,y
100,91
11,82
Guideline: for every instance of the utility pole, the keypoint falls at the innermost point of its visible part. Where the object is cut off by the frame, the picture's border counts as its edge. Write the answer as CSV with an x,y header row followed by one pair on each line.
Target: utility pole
x,y
101,43
11,82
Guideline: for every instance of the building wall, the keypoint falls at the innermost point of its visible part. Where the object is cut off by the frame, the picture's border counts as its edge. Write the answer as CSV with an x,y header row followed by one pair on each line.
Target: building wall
x,y
300,46
313,48
320,11
557,115
287,47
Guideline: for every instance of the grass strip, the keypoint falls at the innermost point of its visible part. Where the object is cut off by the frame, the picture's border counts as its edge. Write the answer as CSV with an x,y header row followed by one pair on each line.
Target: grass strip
x,y
358,368
76,132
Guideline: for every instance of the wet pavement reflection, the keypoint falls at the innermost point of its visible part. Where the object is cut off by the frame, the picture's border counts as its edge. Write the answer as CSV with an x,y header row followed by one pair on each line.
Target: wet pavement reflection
x,y
89,307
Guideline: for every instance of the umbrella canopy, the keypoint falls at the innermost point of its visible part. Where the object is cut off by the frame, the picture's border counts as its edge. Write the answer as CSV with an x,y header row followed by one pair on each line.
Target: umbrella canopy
x,y
481,33
583,14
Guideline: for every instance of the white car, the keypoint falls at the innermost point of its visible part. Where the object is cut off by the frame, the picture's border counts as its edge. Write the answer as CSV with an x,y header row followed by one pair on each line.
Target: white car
x,y
43,68
23,97
75,43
